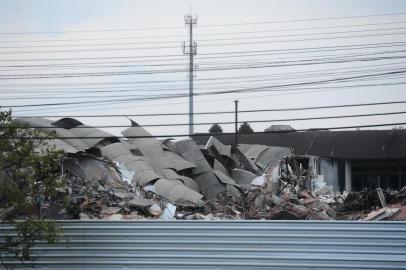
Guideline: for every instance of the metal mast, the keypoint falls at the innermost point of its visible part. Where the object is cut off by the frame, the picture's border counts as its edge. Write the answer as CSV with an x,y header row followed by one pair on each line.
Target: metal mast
x,y
236,122
191,50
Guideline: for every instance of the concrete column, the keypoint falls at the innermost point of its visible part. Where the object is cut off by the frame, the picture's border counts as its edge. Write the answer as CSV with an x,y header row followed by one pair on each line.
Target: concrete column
x,y
348,175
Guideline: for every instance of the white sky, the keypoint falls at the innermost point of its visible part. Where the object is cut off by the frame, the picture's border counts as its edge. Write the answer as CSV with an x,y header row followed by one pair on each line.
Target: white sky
x,y
19,51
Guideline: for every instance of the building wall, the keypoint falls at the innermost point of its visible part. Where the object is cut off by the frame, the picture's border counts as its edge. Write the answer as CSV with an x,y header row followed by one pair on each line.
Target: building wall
x,y
387,173
329,170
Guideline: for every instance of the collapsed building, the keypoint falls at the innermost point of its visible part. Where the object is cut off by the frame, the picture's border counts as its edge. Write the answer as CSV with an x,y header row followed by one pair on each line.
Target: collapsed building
x,y
137,176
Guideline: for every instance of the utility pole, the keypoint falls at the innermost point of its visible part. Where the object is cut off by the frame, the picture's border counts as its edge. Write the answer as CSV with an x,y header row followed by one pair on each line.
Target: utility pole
x,y
236,122
191,50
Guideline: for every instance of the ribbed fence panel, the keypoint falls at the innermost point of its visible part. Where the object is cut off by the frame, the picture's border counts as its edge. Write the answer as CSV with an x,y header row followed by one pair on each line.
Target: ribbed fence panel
x,y
222,245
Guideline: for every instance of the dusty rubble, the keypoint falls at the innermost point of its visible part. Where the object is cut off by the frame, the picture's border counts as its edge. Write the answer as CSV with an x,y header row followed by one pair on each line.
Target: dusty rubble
x,y
144,178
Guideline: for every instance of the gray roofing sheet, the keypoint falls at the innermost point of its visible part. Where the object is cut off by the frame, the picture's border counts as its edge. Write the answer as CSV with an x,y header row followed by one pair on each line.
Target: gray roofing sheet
x,y
224,150
204,176
242,177
271,155
252,151
88,131
162,160
178,162
47,128
176,191
115,149
144,173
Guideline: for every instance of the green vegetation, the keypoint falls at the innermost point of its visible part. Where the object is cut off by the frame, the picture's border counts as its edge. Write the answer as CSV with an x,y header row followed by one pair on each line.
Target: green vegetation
x,y
30,179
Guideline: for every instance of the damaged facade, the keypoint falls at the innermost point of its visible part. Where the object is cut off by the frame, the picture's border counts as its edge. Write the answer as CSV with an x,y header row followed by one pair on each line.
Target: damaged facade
x,y
347,160
138,176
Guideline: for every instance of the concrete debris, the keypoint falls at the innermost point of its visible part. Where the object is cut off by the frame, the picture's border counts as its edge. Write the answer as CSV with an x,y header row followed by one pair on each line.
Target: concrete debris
x,y
381,197
155,210
126,174
169,212
144,178
382,214
259,180
140,203
319,186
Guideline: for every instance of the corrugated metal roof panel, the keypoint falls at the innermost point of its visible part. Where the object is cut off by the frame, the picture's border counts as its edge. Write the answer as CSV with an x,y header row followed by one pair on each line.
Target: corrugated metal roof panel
x,y
226,245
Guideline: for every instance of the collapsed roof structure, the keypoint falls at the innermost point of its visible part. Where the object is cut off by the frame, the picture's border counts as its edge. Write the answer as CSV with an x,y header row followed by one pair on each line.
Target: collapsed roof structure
x,y
138,176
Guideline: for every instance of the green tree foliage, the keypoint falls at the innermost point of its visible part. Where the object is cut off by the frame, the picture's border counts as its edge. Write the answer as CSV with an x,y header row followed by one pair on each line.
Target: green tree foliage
x,y
29,179
245,128
216,128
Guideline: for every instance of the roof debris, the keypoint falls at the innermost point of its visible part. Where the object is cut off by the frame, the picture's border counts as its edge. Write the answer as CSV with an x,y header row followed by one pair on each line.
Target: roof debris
x,y
145,178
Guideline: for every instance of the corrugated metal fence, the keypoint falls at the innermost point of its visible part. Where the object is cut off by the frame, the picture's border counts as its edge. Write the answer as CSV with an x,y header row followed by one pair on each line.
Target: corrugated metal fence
x,y
225,245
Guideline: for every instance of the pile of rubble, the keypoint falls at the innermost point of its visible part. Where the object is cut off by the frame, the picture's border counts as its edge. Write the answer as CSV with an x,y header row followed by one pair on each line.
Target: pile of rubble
x,y
141,177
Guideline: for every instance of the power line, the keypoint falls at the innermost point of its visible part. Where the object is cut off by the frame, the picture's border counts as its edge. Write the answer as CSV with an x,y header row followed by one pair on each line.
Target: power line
x,y
272,75
126,100
92,50
206,34
229,122
266,88
302,90
305,20
58,94
198,135
207,25
131,72
203,45
263,61
227,112
316,49
93,30
203,40
227,54
298,29
304,39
